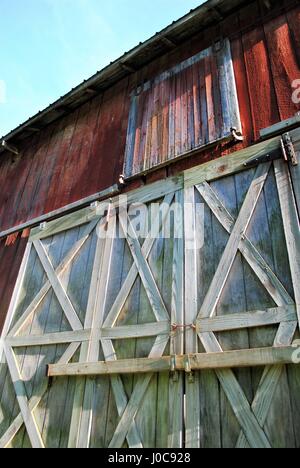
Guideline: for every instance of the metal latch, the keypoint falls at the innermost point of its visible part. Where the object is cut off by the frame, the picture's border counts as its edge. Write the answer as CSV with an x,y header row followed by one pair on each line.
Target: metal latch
x,y
288,149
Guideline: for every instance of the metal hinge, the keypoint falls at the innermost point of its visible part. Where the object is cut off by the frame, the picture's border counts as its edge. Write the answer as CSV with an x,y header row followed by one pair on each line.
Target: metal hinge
x,y
288,152
8,147
288,149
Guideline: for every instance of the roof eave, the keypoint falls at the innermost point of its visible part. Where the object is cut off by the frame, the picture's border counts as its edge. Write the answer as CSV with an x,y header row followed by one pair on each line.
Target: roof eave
x,y
213,11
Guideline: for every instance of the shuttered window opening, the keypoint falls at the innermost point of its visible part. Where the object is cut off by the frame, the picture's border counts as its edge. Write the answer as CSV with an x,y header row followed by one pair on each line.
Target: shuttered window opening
x,y
193,105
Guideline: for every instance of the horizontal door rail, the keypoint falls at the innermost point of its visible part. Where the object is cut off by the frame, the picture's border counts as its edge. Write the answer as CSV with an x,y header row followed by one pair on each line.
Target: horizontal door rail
x,y
186,363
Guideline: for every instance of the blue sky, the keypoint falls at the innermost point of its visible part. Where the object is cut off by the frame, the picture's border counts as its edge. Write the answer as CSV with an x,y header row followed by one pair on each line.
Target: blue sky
x,y
49,46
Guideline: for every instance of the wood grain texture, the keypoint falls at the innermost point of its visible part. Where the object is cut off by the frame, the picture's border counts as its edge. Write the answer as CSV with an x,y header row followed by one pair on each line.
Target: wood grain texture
x,y
260,81
284,64
149,117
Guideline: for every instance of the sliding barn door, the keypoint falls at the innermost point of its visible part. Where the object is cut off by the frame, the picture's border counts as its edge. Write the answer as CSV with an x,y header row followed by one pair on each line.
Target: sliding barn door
x,y
242,278
97,288
155,320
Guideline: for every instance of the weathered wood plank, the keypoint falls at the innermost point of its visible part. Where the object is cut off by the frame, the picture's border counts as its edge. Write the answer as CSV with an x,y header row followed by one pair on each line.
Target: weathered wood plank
x,y
191,309
256,357
15,297
68,222
151,410
244,218
295,174
291,225
112,191
58,287
133,273
228,90
27,415
144,194
121,388
144,150
127,421
35,400
52,320
79,395
232,191
295,170
253,431
59,271
137,331
49,339
266,233
258,264
120,396
149,283
97,321
211,432
259,318
268,385
230,165
178,287
128,417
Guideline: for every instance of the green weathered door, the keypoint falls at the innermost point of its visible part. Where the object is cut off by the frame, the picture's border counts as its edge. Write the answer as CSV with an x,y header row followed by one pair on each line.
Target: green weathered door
x,y
97,288
205,272
244,293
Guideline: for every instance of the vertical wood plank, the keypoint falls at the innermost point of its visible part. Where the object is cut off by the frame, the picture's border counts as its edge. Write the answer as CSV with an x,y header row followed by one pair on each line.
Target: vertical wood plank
x,y
176,392
285,68
291,225
260,84
191,305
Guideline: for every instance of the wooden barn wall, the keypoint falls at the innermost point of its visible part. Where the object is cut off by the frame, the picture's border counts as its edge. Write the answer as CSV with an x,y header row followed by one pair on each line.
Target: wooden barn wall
x,y
83,153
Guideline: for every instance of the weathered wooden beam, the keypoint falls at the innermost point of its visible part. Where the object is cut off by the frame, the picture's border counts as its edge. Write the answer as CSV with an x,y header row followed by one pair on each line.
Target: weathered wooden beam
x,y
80,336
145,194
49,339
60,212
127,67
33,129
91,91
281,127
232,164
229,359
9,147
259,318
16,425
167,41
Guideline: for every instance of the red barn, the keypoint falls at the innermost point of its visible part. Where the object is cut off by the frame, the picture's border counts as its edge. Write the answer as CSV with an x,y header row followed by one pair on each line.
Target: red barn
x,y
151,340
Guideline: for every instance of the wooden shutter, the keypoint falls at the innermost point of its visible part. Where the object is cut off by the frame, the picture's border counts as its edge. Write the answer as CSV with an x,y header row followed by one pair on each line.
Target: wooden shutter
x,y
188,107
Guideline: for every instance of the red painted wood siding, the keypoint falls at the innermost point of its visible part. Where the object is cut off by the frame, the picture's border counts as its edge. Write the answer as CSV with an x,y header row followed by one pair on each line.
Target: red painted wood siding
x,y
83,153
11,255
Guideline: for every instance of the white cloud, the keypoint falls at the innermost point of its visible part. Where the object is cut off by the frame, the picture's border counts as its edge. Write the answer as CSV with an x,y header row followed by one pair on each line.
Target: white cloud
x,y
2,92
